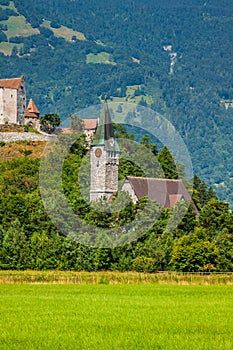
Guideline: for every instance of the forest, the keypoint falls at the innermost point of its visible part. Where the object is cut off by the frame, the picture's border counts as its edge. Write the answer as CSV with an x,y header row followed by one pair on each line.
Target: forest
x,y
178,53
30,240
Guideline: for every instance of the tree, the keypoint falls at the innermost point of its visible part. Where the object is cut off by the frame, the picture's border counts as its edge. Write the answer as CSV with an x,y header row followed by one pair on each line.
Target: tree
x,y
214,216
146,141
201,193
49,122
168,164
76,123
194,252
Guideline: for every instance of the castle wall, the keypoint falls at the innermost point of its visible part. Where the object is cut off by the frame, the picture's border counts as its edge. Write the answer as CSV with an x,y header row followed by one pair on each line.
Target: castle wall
x,y
13,105
25,136
8,106
33,122
21,103
1,106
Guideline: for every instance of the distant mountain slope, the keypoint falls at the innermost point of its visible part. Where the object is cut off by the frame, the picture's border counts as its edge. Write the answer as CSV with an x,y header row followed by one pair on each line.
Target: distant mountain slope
x,y
177,51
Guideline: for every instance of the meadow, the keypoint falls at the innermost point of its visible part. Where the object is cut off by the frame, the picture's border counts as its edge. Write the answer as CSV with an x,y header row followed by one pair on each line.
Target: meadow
x,y
117,316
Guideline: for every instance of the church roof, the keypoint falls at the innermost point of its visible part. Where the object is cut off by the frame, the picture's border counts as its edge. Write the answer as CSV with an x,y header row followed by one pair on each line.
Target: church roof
x,y
13,83
164,191
104,135
32,110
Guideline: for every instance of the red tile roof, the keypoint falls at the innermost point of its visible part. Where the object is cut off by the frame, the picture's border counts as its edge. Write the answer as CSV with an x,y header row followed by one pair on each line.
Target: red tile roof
x,y
13,83
90,124
32,111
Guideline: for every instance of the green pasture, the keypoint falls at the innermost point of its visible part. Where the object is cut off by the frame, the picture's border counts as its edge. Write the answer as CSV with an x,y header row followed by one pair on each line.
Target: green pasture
x,y
11,6
47,316
7,48
63,32
18,26
101,57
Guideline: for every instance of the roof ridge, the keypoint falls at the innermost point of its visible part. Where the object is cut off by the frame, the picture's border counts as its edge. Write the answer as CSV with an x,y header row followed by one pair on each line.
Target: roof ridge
x,y
154,178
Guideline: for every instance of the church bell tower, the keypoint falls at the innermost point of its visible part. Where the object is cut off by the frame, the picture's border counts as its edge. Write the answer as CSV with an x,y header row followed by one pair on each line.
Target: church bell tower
x,y
104,159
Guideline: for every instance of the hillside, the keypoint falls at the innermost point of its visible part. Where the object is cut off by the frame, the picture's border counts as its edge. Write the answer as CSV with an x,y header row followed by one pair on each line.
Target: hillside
x,y
177,54
32,237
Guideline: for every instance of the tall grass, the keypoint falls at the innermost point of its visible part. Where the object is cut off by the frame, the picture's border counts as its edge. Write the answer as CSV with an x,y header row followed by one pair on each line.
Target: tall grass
x,y
110,277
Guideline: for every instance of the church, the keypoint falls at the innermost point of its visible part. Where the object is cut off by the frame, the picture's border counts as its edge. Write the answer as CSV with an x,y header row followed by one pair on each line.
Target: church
x,y
104,164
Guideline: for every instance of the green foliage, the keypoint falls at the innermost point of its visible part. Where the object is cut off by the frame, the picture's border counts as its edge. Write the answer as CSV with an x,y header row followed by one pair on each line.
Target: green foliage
x,y
194,252
168,164
76,123
146,141
28,239
214,215
143,264
201,193
121,132
49,121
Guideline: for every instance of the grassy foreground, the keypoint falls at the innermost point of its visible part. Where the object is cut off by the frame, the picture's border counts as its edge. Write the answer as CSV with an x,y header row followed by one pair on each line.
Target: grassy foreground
x,y
150,316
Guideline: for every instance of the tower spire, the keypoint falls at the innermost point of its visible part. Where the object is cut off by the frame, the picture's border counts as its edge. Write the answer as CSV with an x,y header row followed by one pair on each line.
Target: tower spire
x,y
105,133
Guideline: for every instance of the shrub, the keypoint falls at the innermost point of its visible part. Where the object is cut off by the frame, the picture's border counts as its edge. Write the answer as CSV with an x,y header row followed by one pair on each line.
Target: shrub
x,y
143,264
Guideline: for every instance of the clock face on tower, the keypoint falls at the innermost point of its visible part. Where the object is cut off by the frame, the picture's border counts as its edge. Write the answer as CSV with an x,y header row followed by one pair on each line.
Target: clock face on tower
x,y
98,152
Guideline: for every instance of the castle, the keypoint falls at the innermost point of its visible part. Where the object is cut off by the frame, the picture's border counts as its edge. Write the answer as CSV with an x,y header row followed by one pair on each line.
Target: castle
x,y
13,108
13,104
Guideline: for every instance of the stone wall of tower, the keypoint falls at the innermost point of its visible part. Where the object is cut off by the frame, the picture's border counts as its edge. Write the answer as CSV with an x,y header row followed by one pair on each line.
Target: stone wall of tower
x,y
104,173
98,173
8,106
1,107
21,103
112,165
13,105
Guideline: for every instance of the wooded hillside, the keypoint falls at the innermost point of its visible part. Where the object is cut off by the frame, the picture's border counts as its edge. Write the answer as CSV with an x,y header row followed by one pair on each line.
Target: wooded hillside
x,y
177,56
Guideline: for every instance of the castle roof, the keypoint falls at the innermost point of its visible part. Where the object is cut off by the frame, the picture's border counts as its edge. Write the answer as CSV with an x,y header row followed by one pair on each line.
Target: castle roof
x,y
32,111
13,83
166,192
104,135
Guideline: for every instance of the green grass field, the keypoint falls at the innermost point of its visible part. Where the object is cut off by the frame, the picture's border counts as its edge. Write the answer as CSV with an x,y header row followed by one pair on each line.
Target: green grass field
x,y
116,317
63,32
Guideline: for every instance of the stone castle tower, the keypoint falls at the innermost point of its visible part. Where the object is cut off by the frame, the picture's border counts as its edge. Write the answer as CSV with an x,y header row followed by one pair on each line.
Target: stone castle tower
x,y
12,100
104,159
